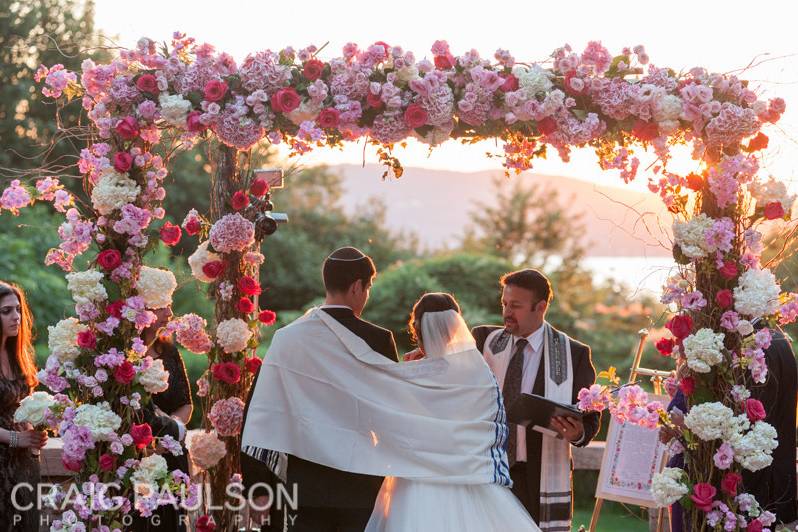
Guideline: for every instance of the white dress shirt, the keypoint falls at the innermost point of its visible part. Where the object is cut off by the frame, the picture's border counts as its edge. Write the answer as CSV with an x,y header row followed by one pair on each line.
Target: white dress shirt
x,y
533,352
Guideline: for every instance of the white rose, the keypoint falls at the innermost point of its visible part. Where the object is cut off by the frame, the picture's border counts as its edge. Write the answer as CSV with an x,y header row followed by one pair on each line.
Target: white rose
x,y
33,408
174,109
63,337
757,293
200,258
154,379
112,191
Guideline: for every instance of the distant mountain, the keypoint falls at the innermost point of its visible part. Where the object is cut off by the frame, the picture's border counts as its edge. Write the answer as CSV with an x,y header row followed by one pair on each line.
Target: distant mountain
x,y
435,204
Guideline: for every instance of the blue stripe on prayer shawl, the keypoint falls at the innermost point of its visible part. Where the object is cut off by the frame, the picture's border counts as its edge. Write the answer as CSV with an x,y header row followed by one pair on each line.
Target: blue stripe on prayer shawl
x,y
500,467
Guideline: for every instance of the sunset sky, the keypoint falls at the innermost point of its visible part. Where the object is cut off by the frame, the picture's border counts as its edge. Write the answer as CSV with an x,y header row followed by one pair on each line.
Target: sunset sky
x,y
722,37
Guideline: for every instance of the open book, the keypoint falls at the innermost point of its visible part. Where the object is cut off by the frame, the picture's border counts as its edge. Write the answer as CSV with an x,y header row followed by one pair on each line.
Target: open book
x,y
536,410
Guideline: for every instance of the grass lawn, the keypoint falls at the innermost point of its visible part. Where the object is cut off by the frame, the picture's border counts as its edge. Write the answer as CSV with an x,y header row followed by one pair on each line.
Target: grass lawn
x,y
613,518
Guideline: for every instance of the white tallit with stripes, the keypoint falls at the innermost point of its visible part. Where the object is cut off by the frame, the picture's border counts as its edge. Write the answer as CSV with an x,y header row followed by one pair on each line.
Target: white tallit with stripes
x,y
325,396
555,470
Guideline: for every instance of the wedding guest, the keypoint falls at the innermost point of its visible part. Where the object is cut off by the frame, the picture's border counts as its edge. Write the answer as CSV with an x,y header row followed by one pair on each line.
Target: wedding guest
x,y
18,464
175,402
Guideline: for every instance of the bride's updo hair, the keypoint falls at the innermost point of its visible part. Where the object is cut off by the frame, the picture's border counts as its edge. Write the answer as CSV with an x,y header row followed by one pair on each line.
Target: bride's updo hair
x,y
429,302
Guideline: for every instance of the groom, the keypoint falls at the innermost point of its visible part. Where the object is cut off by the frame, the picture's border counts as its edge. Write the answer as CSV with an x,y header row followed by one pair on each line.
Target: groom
x,y
329,499
527,355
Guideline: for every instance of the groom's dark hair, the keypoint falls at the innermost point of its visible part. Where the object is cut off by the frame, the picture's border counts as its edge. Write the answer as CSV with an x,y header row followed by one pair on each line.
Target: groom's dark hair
x,y
532,280
344,266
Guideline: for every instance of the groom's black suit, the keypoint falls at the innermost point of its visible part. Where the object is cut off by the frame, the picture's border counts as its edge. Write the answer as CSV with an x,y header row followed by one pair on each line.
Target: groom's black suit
x,y
329,499
526,476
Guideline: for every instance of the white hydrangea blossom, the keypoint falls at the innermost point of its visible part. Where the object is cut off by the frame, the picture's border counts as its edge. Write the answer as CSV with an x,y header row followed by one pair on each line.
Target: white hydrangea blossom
x,y
174,109
690,237
753,450
712,421
112,191
33,408
533,80
99,419
667,108
63,337
771,191
206,449
86,286
757,293
667,486
155,378
233,335
703,350
307,110
156,286
200,258
150,470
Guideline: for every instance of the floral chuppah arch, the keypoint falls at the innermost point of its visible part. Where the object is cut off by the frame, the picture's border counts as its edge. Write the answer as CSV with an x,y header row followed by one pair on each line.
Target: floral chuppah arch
x,y
144,101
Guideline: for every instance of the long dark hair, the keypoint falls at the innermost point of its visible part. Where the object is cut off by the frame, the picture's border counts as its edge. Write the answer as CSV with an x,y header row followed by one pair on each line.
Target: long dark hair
x,y
429,302
20,347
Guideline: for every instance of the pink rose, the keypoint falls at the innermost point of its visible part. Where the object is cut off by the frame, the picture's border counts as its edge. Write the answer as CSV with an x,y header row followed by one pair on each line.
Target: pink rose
x,y
123,161
107,462
245,305
213,269
147,83
215,90
645,131
760,142
754,526
267,317
729,483
328,118
239,200
665,346
253,364
374,101
87,340
687,385
249,286
728,270
415,116
285,100
547,126
127,128
754,410
109,259
313,69
193,122
703,496
170,234
680,326
444,62
774,210
724,298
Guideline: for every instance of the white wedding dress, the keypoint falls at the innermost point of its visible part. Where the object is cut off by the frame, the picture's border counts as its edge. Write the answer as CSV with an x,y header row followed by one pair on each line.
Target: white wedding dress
x,y
407,505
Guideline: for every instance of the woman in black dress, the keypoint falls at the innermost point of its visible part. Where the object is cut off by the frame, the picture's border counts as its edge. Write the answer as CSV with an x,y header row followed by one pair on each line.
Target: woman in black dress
x,y
175,402
18,442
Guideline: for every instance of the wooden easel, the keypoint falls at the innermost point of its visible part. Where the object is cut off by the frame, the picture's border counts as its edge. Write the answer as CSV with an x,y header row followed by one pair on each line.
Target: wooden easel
x,y
657,376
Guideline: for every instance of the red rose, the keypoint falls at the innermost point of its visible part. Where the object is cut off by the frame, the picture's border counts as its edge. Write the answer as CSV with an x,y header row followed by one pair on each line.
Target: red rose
x,y
728,270
249,286
71,466
213,269
205,524
123,161
510,83
107,462
228,372
193,122
141,434
313,69
115,309
695,182
415,116
87,340
729,483
444,62
147,83
259,187
170,234
374,101
680,326
774,210
547,126
687,385
245,305
124,373
754,526
267,317
754,410
193,226
645,131
328,118
665,346
239,200
703,495
109,259
215,90
285,100
724,298
253,364
760,142
127,128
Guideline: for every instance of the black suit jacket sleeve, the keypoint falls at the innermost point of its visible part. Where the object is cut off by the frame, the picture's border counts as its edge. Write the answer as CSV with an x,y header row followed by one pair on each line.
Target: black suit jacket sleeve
x,y
584,377
160,425
481,333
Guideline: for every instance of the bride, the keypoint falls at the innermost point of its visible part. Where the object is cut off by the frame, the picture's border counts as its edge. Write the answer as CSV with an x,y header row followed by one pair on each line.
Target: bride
x,y
405,504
